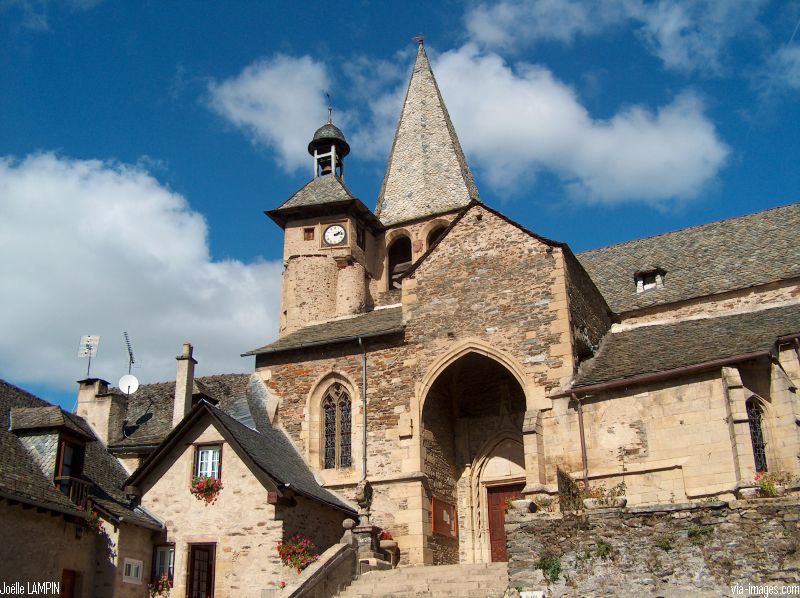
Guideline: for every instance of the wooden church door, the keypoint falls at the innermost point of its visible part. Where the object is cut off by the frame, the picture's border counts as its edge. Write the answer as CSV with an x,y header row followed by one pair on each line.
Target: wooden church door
x,y
497,497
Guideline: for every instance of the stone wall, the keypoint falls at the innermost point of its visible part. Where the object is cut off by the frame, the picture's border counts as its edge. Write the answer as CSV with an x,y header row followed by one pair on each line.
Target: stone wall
x,y
665,550
39,546
58,543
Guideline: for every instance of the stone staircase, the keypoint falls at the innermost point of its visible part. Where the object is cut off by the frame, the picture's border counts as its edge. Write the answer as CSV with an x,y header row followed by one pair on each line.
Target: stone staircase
x,y
483,580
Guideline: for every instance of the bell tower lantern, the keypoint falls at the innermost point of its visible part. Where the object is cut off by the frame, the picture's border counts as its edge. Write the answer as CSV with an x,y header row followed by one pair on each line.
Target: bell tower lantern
x,y
329,148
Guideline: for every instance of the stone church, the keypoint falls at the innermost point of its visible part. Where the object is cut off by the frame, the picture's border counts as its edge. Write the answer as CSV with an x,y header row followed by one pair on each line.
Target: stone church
x,y
456,360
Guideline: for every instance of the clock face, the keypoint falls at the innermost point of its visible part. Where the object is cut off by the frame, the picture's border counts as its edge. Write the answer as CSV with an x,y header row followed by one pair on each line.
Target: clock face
x,y
335,235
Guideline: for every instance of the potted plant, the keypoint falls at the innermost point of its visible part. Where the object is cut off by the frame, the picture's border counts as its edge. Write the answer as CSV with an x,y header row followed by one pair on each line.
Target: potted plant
x,y
159,588
93,521
206,488
297,552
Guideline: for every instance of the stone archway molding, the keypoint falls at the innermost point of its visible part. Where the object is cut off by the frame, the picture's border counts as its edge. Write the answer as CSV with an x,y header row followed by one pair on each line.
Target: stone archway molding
x,y
481,347
311,434
480,548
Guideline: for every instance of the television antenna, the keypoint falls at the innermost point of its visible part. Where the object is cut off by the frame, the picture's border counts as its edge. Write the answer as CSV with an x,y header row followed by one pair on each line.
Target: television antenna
x,y
88,348
128,383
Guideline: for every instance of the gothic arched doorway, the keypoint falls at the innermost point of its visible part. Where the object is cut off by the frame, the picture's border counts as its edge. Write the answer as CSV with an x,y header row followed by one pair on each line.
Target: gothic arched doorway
x,y
471,431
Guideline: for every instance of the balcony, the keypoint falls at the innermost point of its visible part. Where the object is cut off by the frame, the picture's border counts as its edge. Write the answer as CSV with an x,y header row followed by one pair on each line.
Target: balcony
x,y
76,489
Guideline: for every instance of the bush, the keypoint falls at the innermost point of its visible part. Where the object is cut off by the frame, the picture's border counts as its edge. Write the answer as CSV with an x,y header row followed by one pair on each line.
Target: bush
x,y
550,566
604,496
697,535
665,543
604,549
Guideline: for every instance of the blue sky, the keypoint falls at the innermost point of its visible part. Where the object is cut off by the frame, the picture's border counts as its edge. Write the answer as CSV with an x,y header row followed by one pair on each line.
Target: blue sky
x,y
141,143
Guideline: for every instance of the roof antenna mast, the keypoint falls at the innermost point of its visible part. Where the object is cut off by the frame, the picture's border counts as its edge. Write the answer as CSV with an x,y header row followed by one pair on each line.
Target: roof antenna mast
x,y
88,348
128,383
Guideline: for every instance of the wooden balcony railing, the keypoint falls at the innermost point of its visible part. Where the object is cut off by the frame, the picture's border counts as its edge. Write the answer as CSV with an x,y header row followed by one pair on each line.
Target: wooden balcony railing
x,y
76,489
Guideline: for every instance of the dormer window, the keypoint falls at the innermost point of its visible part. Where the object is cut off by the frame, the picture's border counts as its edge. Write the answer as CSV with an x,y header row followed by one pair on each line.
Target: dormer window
x,y
69,469
649,280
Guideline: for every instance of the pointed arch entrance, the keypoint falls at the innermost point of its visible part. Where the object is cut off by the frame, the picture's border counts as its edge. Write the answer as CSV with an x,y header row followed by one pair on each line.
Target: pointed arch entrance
x,y
472,452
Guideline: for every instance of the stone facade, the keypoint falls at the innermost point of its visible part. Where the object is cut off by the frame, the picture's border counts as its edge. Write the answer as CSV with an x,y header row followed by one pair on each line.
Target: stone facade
x,y
243,524
96,558
668,550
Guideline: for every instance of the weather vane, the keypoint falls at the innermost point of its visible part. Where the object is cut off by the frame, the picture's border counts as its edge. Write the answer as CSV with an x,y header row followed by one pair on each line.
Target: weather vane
x,y
419,39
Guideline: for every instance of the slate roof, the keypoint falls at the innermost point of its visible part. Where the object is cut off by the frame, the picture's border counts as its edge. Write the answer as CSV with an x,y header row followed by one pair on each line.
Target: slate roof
x,y
273,452
321,190
370,324
323,195
328,132
664,347
21,477
703,260
43,418
427,173
148,416
269,448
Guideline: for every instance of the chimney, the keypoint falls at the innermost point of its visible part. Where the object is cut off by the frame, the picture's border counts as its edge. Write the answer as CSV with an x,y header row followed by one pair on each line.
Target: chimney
x,y
101,410
184,384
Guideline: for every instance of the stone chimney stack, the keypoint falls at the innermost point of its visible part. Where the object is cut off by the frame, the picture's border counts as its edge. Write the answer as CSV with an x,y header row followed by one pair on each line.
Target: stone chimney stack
x,y
100,408
184,384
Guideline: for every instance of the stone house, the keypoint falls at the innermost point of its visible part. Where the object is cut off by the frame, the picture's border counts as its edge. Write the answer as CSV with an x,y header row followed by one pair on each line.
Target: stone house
x,y
455,359
54,472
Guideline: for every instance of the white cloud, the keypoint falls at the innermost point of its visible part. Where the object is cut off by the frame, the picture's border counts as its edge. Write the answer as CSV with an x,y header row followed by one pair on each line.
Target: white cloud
x,y
686,35
278,102
514,122
783,71
92,247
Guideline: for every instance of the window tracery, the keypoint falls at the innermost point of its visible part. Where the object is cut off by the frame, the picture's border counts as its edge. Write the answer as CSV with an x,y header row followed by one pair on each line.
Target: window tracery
x,y
336,410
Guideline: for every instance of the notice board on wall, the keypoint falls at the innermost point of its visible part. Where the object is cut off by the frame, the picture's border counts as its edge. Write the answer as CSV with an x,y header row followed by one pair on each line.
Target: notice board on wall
x,y
445,522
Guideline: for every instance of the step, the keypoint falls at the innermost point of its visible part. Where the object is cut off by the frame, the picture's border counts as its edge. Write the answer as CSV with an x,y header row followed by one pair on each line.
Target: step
x,y
478,580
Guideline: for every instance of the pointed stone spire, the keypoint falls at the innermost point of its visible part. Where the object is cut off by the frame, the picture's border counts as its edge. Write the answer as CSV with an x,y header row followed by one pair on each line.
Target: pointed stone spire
x,y
427,173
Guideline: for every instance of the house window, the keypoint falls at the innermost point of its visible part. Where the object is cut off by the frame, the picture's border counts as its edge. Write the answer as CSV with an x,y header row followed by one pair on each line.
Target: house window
x,y
132,571
207,461
755,417
336,415
650,280
164,562
308,234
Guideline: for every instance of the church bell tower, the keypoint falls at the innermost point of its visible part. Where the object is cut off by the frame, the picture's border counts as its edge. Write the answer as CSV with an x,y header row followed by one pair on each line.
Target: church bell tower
x,y
329,238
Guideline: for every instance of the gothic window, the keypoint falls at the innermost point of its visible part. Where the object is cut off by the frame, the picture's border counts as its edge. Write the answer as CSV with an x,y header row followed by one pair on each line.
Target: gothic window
x,y
336,416
399,260
755,417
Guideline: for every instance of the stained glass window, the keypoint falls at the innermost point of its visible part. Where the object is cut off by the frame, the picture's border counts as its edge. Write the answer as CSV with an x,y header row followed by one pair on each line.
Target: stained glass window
x,y
336,416
755,416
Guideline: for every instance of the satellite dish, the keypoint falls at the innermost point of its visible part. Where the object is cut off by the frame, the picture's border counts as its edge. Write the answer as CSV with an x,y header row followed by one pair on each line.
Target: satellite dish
x,y
128,384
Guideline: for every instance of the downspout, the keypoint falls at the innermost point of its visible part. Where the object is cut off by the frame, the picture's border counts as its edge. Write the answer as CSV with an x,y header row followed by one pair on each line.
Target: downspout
x,y
584,460
364,405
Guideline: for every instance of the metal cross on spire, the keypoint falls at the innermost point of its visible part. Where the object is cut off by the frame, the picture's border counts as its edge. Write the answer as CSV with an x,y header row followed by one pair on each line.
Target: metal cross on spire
x,y
330,108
